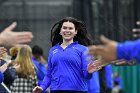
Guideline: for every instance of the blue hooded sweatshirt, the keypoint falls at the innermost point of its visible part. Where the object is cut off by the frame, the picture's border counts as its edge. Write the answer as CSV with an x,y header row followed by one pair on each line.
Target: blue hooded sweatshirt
x,y
67,68
93,83
41,70
108,75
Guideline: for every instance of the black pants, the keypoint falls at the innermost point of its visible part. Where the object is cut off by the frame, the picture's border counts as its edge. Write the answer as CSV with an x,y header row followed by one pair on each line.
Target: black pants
x,y
109,90
66,91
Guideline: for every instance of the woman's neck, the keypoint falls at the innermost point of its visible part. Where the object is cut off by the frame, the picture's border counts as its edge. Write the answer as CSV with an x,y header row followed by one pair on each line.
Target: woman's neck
x,y
66,43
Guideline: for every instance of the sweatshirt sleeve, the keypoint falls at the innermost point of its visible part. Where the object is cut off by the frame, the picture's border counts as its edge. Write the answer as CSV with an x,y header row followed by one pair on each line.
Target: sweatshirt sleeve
x,y
47,79
129,50
85,63
1,77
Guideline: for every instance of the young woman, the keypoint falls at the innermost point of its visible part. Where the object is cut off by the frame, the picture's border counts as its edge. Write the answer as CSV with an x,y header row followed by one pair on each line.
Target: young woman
x,y
25,78
68,67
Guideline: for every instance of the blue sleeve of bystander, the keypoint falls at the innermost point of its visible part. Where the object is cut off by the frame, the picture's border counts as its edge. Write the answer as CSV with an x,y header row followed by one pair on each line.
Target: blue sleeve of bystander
x,y
129,50
1,77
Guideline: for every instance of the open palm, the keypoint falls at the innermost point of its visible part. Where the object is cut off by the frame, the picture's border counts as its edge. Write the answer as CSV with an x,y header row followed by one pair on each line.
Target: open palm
x,y
92,67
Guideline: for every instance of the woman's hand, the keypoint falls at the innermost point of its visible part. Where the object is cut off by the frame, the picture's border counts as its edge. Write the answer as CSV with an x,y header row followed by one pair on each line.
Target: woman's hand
x,y
95,66
37,89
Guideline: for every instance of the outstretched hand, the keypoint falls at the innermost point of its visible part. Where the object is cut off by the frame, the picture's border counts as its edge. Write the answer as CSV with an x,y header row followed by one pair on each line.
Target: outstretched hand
x,y
107,50
4,66
2,51
10,38
97,65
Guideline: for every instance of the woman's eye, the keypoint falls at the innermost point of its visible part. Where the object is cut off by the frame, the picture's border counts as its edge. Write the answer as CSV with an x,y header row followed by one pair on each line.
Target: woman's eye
x,y
70,28
64,27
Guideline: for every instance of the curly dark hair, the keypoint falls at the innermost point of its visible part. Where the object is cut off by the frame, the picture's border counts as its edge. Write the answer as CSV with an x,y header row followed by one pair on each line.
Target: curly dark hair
x,y
83,37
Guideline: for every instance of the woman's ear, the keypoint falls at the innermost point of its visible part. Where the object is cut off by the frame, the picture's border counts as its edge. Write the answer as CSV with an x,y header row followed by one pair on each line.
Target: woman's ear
x,y
60,33
75,32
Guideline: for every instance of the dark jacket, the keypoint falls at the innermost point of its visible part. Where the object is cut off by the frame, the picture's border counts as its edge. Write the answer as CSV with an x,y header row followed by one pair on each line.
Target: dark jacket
x,y
9,76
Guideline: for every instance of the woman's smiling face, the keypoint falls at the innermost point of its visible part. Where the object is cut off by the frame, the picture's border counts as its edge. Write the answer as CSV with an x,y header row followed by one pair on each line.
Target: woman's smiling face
x,y
68,31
